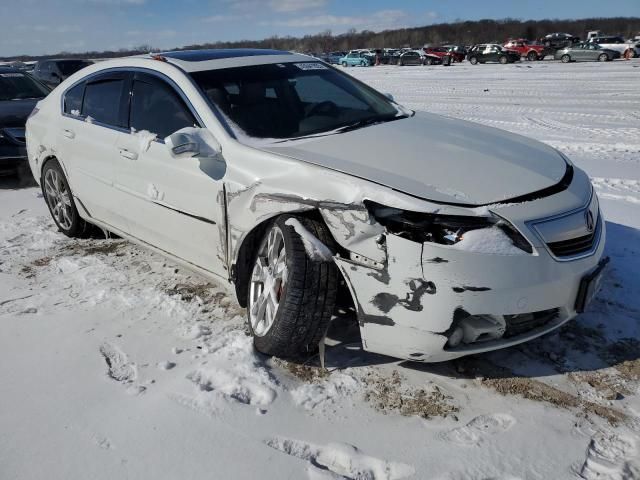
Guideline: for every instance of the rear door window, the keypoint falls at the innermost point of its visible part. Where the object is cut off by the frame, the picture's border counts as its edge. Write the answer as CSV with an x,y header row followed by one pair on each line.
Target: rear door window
x,y
102,100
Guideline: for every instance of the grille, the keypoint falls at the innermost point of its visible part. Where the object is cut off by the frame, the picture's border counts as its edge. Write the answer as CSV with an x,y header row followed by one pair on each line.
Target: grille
x,y
519,324
575,246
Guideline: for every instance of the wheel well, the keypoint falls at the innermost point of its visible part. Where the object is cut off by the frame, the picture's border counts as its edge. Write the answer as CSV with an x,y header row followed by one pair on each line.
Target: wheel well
x,y
244,260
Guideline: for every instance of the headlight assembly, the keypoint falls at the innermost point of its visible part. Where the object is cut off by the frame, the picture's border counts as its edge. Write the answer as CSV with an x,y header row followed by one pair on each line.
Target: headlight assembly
x,y
441,229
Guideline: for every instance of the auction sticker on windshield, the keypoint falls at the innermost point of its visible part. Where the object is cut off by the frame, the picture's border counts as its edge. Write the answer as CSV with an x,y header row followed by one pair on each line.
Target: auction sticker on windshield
x,y
310,66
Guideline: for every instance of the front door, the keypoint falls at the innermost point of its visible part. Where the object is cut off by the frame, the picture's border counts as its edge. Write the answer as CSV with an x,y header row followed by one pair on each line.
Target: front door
x,y
174,204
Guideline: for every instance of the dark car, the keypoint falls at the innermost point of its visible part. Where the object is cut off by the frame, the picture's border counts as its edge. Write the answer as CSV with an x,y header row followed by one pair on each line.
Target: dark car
x,y
333,57
411,58
492,53
54,72
19,93
559,40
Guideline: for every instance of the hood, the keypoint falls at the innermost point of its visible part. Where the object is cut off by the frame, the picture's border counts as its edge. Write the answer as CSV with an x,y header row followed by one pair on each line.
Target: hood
x,y
436,158
14,113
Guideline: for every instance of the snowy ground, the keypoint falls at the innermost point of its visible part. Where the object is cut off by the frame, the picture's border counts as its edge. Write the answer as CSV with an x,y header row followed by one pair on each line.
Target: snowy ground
x,y
114,363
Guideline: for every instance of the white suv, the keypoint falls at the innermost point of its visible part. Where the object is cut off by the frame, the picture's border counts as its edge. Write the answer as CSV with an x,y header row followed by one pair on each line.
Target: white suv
x,y
286,179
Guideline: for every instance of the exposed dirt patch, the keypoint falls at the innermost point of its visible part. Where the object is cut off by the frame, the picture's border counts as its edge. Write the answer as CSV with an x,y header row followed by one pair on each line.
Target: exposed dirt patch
x,y
625,354
506,382
42,262
389,394
94,247
303,372
190,292
608,386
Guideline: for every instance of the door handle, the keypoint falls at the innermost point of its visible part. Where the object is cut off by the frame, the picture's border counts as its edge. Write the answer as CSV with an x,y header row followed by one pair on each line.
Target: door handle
x,y
128,154
68,133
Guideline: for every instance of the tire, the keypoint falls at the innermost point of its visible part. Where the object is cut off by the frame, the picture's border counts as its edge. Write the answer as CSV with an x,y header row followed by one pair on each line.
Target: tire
x,y
603,57
344,64
629,53
428,61
473,60
59,199
532,56
364,64
400,64
503,60
306,293
565,58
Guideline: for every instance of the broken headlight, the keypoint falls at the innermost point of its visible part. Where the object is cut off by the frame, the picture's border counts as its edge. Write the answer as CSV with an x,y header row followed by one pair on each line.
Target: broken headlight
x,y
442,229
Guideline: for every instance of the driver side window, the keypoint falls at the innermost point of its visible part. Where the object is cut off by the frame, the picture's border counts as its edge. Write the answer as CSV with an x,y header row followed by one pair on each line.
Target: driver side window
x,y
157,108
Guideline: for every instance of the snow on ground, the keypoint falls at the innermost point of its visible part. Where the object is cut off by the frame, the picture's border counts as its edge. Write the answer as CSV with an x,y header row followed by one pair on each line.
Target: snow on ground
x,y
115,363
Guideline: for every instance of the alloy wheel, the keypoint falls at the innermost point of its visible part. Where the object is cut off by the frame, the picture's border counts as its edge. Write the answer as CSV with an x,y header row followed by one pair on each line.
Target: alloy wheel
x,y
58,198
268,280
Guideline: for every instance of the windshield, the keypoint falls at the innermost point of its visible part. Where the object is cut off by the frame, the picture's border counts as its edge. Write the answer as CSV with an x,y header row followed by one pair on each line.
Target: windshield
x,y
69,67
18,86
289,100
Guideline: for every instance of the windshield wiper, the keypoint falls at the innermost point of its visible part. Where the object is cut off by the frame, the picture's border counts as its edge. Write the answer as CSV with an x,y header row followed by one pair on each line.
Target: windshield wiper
x,y
351,126
369,121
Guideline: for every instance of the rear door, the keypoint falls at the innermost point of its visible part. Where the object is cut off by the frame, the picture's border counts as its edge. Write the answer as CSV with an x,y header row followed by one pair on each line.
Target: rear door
x,y
94,115
170,203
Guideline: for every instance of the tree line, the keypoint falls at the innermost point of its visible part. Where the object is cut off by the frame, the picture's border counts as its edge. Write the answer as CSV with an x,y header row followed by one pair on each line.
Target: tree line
x,y
459,32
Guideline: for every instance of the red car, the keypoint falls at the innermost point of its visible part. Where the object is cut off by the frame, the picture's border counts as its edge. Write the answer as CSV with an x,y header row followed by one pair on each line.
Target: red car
x,y
441,52
531,51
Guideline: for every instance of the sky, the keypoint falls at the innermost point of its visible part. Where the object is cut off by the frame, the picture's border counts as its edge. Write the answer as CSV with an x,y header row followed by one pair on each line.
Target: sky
x,y
40,27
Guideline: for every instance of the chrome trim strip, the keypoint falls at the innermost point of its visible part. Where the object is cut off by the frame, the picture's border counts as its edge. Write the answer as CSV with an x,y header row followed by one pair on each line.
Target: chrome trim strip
x,y
597,233
149,71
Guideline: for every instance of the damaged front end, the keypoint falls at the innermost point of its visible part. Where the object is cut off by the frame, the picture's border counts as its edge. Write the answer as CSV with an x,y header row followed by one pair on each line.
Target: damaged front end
x,y
432,286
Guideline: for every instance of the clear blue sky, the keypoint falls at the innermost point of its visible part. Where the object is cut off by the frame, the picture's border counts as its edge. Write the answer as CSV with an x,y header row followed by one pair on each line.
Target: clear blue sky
x,y
49,26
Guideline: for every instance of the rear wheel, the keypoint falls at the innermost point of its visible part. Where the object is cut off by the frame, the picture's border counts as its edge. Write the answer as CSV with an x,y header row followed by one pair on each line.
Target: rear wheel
x,y
503,60
532,56
344,64
291,297
565,58
59,198
603,57
473,61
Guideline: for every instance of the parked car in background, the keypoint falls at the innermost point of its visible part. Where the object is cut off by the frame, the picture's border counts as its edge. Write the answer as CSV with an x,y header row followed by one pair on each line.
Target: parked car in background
x,y
559,40
491,52
412,57
619,44
437,51
19,93
354,59
256,167
333,58
53,72
586,52
531,51
457,52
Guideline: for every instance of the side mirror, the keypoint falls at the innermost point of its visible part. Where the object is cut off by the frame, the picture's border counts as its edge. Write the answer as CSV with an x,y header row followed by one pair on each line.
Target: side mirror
x,y
193,142
389,96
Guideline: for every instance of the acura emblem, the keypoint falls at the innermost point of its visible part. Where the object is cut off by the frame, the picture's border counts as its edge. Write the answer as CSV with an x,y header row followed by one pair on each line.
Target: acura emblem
x,y
588,218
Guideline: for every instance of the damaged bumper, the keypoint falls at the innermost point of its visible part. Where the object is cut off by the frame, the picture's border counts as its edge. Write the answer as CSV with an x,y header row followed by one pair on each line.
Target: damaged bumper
x,y
433,303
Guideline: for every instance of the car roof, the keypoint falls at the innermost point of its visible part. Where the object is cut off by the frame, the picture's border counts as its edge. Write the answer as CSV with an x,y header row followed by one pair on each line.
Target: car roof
x,y
210,59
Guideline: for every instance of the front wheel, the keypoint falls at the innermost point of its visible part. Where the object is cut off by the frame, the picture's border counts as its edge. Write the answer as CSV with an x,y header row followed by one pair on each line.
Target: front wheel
x,y
565,58
603,57
504,60
344,64
291,296
59,199
473,60
532,56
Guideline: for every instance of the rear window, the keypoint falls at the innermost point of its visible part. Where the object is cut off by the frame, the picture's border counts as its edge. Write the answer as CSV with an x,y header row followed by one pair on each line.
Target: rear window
x,y
70,67
102,101
18,86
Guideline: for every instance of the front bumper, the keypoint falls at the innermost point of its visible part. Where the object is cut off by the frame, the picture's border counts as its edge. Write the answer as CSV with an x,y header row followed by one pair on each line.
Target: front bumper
x,y
409,308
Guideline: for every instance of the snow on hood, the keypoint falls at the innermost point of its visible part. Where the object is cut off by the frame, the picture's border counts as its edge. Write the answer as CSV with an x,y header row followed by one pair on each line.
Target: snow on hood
x,y
436,158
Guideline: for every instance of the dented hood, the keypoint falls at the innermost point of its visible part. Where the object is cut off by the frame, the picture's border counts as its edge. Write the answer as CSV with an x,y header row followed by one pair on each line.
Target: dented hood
x,y
436,158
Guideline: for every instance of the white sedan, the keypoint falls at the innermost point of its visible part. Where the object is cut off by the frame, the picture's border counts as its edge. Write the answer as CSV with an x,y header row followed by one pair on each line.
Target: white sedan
x,y
288,180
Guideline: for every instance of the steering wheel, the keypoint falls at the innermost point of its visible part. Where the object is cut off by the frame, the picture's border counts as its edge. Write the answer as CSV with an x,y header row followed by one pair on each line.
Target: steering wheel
x,y
326,108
